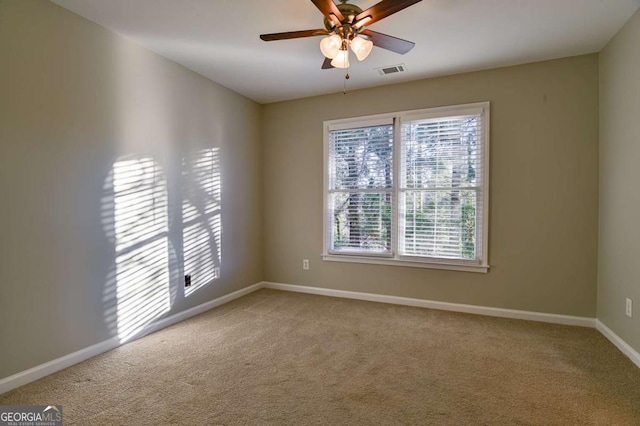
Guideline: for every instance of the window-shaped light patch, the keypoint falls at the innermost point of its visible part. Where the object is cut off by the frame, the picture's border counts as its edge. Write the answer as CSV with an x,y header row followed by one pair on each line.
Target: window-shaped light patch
x,y
201,218
140,225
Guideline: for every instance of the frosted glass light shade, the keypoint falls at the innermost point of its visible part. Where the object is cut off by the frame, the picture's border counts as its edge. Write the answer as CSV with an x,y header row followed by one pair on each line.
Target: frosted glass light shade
x,y
361,47
330,46
341,60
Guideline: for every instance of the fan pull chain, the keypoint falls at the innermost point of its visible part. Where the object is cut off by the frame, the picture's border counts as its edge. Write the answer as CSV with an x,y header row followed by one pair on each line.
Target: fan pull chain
x,y
344,87
346,76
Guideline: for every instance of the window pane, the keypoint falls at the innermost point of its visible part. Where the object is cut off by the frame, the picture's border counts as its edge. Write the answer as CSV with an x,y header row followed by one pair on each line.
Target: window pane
x,y
361,221
441,153
361,158
439,223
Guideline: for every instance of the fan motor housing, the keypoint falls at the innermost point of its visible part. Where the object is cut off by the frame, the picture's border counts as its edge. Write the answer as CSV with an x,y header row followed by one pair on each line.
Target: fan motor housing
x,y
348,10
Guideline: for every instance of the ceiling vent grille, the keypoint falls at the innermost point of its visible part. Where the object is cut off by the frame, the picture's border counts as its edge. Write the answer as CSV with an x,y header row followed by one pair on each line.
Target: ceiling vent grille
x,y
391,69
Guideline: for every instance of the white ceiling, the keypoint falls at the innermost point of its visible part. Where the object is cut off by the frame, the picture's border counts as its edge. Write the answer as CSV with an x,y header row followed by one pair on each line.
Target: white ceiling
x,y
219,38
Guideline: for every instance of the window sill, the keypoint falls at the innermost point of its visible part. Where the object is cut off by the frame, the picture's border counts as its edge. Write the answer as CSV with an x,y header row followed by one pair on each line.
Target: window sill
x,y
452,266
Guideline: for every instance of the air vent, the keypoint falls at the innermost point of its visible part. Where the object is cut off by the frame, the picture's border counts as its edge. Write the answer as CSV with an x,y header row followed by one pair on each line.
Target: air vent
x,y
391,69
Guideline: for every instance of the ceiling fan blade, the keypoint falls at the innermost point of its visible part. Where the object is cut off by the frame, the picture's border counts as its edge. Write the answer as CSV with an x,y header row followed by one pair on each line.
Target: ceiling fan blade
x,y
293,34
327,64
327,7
385,8
388,42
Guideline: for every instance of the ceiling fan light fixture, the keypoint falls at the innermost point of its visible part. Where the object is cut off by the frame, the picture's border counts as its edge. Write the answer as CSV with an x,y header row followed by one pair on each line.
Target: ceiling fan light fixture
x,y
341,60
330,46
361,47
344,25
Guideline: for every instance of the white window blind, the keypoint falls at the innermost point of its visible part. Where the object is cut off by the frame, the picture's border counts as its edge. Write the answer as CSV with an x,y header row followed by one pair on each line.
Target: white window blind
x,y
361,189
441,187
409,188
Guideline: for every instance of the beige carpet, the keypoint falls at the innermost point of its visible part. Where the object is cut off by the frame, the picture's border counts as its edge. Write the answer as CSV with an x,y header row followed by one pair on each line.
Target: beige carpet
x,y
284,358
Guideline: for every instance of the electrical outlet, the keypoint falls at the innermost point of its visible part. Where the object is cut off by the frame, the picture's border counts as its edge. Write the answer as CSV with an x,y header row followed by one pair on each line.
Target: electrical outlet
x,y
305,264
187,280
629,308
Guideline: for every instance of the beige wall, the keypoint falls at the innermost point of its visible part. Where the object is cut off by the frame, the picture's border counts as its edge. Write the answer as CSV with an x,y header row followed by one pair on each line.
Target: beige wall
x,y
544,188
619,230
74,99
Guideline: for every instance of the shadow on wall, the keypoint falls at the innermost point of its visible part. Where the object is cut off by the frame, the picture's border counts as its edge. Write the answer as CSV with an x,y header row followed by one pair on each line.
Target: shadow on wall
x,y
143,282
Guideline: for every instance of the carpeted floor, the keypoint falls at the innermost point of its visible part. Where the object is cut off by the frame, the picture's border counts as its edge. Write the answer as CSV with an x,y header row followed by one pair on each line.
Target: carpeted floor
x,y
284,358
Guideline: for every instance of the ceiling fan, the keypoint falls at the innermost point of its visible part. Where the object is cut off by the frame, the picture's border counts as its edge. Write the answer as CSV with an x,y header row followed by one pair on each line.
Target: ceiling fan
x,y
345,27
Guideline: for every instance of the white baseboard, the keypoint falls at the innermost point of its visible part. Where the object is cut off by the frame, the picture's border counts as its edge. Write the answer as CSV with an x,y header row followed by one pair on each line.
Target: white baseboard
x,y
50,367
443,306
624,347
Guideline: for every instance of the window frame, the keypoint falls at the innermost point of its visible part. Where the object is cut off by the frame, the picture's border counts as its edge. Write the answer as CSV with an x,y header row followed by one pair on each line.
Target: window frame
x,y
394,258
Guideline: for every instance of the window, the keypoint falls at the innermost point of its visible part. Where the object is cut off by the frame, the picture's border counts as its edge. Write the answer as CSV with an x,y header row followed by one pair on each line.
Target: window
x,y
409,188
